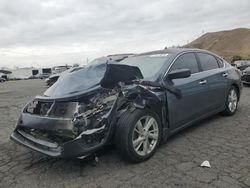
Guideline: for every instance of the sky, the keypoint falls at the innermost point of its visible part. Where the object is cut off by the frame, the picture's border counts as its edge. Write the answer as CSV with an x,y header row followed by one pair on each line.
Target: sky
x,y
45,33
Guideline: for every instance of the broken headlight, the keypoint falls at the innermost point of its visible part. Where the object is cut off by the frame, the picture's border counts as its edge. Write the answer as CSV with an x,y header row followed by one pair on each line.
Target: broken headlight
x,y
51,109
91,114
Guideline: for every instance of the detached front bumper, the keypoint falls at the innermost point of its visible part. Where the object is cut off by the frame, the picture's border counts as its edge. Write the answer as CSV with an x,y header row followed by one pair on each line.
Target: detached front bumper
x,y
35,144
70,149
82,145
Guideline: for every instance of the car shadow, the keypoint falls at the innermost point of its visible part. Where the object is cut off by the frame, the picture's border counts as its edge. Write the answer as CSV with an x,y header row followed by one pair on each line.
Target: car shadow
x,y
193,127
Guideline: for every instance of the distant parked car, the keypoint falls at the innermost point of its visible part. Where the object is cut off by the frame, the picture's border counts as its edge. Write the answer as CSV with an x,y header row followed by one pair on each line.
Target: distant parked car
x,y
52,79
2,80
44,75
246,76
56,73
241,64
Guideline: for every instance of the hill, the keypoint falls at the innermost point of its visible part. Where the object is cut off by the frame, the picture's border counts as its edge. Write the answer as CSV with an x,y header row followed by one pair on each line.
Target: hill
x,y
225,43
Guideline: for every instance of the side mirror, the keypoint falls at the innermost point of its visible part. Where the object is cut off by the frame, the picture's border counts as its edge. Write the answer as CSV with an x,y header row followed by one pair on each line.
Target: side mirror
x,y
179,73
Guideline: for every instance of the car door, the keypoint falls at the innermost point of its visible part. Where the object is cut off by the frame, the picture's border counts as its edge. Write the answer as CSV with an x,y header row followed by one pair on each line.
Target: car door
x,y
215,76
194,93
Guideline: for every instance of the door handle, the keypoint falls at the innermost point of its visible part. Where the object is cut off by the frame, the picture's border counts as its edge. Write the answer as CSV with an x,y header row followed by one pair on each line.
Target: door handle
x,y
225,74
202,82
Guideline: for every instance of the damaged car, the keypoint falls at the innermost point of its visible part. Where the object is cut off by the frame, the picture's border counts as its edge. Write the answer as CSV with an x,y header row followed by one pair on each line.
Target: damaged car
x,y
134,104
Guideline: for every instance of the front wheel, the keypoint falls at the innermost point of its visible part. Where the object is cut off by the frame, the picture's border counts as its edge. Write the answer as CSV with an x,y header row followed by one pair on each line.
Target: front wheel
x,y
138,135
232,102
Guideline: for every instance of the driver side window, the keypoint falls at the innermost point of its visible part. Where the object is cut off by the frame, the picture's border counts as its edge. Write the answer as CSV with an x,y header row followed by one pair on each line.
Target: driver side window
x,y
186,61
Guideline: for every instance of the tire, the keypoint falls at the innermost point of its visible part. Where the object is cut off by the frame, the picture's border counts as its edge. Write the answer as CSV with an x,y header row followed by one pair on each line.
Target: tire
x,y
232,102
132,139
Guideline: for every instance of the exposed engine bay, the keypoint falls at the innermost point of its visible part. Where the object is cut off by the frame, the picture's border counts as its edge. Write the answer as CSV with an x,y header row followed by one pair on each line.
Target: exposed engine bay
x,y
87,114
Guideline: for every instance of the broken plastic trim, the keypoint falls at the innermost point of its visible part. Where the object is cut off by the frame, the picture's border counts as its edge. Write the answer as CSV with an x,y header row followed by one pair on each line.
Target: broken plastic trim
x,y
170,89
116,73
90,131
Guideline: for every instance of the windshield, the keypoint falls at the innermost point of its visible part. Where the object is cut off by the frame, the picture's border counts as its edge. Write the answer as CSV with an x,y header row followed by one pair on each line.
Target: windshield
x,y
149,65
78,79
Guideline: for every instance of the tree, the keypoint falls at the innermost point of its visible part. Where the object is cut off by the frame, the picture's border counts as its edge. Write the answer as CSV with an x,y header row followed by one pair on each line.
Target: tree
x,y
236,58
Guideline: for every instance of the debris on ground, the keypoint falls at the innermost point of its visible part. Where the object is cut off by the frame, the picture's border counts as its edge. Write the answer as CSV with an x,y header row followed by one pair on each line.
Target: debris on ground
x,y
205,164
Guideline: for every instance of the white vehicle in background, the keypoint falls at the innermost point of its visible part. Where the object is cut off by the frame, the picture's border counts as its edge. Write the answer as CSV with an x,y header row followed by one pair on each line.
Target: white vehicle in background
x,y
59,69
4,75
42,73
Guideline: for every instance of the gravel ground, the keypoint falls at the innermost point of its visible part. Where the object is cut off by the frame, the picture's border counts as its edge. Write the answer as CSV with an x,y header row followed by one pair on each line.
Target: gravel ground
x,y
224,141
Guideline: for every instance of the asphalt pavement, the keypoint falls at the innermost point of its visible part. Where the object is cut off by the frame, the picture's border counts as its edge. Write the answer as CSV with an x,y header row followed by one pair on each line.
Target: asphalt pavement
x,y
223,141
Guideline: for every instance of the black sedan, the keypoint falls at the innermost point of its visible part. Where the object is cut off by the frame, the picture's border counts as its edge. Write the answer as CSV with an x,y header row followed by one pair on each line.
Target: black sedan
x,y
134,104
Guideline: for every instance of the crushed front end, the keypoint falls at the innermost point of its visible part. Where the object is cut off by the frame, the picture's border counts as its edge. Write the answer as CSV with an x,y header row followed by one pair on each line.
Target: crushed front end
x,y
72,127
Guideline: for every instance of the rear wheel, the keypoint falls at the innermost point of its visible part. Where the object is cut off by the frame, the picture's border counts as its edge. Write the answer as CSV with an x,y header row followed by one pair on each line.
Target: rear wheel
x,y
138,135
232,102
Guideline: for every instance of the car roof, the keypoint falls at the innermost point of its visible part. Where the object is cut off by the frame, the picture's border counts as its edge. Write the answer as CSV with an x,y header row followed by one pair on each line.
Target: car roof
x,y
174,51
119,57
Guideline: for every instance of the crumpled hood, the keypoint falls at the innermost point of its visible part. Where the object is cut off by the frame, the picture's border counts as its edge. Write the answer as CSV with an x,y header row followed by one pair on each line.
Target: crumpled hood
x,y
116,73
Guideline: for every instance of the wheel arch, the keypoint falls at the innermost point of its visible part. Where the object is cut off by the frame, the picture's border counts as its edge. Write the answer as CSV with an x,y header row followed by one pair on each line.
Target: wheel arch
x,y
161,112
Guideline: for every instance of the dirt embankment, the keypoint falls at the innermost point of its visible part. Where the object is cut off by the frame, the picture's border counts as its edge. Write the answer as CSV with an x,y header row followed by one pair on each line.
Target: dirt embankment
x,y
225,43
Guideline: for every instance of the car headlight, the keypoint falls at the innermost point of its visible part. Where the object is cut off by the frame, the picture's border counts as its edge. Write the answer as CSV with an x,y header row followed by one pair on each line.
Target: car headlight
x,y
51,109
91,114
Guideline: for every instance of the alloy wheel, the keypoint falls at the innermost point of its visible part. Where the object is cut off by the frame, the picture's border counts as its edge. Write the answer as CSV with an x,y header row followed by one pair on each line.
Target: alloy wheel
x,y
145,135
232,100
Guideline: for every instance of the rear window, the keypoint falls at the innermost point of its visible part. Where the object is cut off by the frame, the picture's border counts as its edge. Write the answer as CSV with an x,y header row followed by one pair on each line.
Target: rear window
x,y
207,61
220,62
